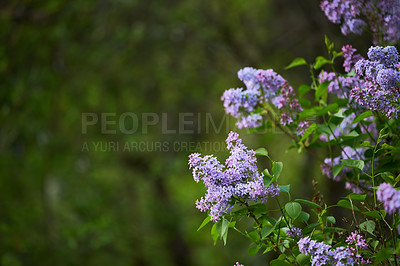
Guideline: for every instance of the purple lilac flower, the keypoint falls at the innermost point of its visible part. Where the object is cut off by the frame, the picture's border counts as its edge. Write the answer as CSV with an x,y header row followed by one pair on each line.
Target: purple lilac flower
x,y
250,121
373,97
293,232
238,264
350,57
239,177
379,91
249,77
270,81
347,83
322,254
390,198
261,86
358,189
381,16
357,240
302,127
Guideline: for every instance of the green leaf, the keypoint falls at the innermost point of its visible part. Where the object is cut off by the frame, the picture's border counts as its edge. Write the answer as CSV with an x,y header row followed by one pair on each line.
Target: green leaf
x,y
367,144
262,152
307,113
310,227
279,262
346,204
331,219
336,169
304,216
373,214
313,204
267,179
297,62
374,244
356,164
368,226
320,61
266,231
214,234
303,89
382,255
362,116
204,223
253,250
321,89
333,229
308,131
359,197
225,226
293,209
285,188
330,108
277,169
302,259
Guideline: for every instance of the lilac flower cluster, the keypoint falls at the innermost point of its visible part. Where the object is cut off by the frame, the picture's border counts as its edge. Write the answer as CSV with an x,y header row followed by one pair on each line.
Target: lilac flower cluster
x,y
261,86
238,178
360,243
302,127
345,12
340,86
347,153
390,198
382,16
357,240
293,232
322,254
350,57
238,264
379,92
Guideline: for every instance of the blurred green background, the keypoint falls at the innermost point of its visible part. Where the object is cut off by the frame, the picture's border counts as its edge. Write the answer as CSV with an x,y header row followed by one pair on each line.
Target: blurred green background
x,y
62,203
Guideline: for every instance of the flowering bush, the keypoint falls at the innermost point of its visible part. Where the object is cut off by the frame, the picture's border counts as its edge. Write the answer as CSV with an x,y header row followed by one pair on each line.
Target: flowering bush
x,y
357,114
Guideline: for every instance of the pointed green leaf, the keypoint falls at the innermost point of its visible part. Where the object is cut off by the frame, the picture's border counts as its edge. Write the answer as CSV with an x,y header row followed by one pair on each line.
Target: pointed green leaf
x,y
368,226
285,188
313,204
297,62
293,209
362,116
320,61
356,164
308,131
277,169
262,152
204,223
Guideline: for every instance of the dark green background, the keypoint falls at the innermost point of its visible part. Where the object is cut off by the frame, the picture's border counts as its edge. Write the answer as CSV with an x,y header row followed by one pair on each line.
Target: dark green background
x,y
61,205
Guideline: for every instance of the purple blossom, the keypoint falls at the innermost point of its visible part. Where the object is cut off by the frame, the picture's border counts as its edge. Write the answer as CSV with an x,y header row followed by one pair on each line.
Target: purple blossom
x,y
350,57
390,198
249,77
262,86
322,254
238,264
239,177
250,121
357,240
379,90
382,17
270,81
373,97
302,127
293,232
